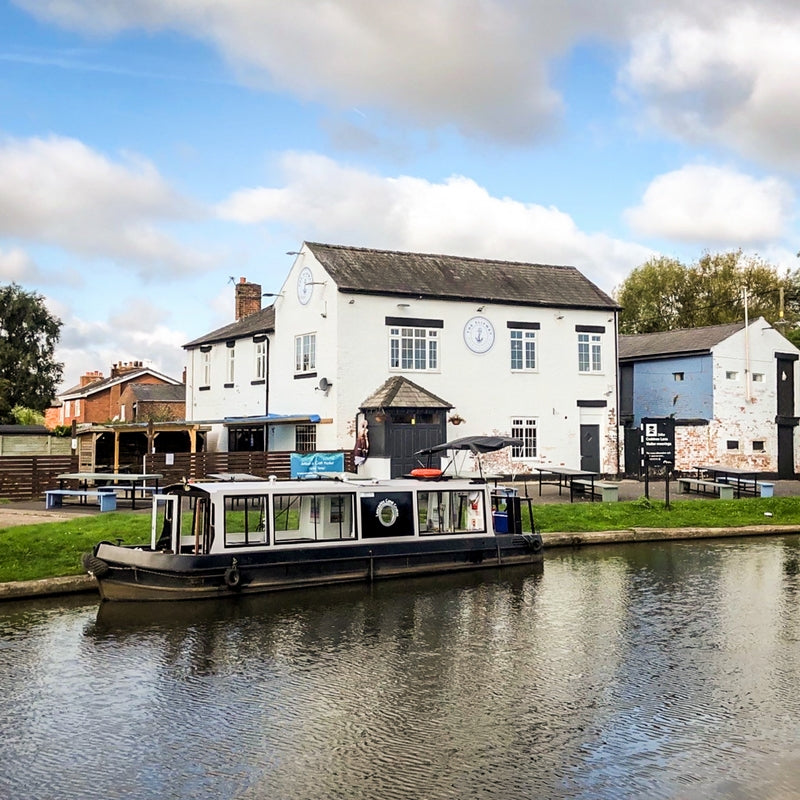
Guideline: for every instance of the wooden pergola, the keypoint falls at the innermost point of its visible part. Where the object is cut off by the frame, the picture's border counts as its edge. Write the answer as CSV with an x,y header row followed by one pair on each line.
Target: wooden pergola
x,y
139,436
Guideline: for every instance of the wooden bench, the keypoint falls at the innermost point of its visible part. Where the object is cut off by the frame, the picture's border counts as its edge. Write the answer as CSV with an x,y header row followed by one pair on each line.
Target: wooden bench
x,y
53,498
607,492
724,490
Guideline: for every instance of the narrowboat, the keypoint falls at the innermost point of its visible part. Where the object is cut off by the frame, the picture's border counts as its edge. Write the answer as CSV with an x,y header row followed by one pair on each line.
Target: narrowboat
x,y
211,539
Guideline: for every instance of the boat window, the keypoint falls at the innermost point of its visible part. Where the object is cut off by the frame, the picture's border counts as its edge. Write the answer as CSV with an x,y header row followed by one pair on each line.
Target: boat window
x,y
459,511
246,520
313,517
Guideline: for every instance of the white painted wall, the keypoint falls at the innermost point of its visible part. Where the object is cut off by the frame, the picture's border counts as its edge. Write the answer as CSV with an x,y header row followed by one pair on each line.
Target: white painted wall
x,y
744,409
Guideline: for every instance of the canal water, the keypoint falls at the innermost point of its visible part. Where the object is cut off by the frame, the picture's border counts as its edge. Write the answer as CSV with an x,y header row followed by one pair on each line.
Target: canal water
x,y
654,670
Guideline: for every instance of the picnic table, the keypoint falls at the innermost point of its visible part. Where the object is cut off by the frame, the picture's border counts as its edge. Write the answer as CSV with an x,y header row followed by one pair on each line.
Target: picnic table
x,y
126,481
744,479
566,478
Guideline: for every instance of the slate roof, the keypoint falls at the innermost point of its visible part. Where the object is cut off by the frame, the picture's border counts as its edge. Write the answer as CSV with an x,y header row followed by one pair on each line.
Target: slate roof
x,y
400,392
389,272
104,383
261,322
159,392
684,341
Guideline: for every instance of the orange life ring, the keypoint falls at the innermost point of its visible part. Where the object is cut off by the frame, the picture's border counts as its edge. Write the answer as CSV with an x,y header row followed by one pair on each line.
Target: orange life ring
x,y
425,472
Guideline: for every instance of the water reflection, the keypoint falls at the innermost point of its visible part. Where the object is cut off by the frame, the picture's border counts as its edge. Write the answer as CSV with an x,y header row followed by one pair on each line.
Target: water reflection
x,y
659,670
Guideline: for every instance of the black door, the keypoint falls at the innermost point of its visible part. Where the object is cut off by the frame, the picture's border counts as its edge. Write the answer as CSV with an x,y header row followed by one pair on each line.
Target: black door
x,y
633,452
785,418
590,448
406,439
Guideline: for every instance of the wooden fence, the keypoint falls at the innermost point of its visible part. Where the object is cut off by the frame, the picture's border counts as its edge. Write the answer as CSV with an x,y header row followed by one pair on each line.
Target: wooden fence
x,y
26,477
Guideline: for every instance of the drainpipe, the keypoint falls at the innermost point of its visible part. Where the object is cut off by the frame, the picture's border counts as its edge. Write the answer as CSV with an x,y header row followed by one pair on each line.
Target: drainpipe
x,y
746,349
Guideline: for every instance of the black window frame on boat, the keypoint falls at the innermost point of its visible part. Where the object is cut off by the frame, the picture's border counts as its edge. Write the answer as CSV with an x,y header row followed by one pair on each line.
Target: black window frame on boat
x,y
472,512
285,503
256,532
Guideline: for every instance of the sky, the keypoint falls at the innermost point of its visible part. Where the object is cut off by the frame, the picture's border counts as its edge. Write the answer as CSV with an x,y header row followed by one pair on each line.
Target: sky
x,y
153,152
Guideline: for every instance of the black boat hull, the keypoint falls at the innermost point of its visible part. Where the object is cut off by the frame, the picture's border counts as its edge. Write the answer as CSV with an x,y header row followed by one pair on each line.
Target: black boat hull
x,y
136,574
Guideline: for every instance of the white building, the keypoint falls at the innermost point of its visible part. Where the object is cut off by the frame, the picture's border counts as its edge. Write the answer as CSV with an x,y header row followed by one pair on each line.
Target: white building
x,y
730,390
419,348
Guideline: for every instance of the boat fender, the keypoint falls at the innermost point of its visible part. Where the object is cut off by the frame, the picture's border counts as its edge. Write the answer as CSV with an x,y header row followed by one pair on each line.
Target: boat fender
x,y
535,543
425,472
233,577
95,566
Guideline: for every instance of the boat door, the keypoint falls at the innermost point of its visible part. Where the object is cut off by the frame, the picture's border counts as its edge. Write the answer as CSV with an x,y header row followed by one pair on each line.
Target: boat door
x,y
165,523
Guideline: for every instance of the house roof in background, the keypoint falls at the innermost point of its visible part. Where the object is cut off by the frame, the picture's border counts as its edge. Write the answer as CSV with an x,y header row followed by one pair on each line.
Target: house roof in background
x,y
684,341
260,322
158,392
400,392
105,383
366,271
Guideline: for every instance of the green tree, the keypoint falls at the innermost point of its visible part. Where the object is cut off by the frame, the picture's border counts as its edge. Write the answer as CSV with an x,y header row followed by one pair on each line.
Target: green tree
x,y
664,294
29,373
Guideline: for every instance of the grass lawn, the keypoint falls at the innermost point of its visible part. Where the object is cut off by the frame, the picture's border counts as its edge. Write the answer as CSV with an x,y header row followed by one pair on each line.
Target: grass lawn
x,y
54,549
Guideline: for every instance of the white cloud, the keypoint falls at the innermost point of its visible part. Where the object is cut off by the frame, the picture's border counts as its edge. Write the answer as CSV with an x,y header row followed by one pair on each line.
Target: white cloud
x,y
722,71
139,332
481,66
59,192
324,200
16,266
713,205
723,74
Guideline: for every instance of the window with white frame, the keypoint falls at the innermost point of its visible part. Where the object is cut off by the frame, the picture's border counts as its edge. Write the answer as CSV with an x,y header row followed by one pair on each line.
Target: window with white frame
x,y
78,407
589,352
758,377
414,349
230,369
305,352
524,428
261,360
205,366
523,349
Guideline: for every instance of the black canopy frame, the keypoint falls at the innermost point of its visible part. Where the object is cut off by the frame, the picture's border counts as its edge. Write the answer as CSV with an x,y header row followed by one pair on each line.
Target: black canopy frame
x,y
476,445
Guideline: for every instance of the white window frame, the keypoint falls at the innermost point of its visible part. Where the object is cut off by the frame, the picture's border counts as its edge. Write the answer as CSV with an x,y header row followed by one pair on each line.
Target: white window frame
x,y
261,360
523,345
527,429
413,348
230,370
305,353
205,365
590,353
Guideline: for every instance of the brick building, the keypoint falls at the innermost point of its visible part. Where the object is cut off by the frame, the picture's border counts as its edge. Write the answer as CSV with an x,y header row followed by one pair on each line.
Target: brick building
x,y
97,399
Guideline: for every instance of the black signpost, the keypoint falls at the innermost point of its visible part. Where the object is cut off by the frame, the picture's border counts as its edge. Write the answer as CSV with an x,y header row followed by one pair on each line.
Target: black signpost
x,y
657,449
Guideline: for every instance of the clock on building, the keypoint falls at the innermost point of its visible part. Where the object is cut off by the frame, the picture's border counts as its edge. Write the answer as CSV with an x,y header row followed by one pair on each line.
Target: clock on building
x,y
479,334
305,285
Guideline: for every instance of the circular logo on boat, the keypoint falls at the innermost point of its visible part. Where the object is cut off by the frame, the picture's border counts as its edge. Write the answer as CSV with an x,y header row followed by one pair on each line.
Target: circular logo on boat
x,y
387,513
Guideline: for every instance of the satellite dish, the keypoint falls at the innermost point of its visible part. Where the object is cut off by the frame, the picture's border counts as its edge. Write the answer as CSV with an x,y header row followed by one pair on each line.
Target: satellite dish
x,y
324,384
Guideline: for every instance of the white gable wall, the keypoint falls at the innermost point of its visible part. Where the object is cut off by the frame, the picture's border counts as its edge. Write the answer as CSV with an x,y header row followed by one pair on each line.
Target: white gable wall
x,y
744,408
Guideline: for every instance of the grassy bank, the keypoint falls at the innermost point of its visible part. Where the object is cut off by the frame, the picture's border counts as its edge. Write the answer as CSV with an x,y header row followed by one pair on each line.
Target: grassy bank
x,y
54,549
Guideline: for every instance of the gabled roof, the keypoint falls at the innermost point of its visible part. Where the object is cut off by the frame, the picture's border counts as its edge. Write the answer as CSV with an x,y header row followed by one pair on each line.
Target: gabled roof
x,y
400,392
105,383
158,392
681,342
361,270
261,322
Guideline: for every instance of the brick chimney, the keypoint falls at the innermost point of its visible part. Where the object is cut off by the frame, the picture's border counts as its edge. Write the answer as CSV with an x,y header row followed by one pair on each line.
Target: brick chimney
x,y
248,298
91,377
